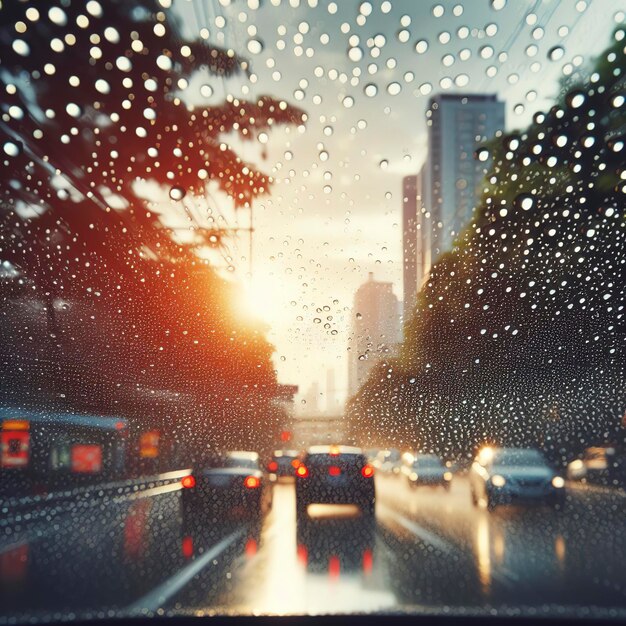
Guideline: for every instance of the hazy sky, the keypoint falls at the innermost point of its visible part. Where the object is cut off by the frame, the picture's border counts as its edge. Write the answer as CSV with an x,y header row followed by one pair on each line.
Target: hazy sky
x,y
334,213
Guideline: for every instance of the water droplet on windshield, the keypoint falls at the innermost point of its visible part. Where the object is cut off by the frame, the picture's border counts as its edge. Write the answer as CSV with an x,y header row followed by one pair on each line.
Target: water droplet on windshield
x,y
255,46
177,193
555,53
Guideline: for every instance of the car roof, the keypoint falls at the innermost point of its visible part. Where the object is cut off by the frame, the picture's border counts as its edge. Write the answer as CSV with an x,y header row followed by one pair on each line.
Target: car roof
x,y
340,449
243,454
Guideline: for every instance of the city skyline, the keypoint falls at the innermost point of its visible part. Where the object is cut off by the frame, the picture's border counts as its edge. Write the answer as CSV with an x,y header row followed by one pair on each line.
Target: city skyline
x,y
335,210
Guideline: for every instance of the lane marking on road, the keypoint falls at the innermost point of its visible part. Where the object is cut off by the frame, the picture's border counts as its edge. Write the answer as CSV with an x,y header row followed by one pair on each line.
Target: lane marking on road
x,y
168,589
503,575
419,531
149,493
33,517
617,492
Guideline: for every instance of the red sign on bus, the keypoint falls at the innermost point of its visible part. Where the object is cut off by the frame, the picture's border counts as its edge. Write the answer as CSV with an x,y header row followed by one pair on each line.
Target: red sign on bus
x,y
86,458
14,448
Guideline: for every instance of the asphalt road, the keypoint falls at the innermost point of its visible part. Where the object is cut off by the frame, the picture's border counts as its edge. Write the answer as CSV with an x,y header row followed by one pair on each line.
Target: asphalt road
x,y
428,551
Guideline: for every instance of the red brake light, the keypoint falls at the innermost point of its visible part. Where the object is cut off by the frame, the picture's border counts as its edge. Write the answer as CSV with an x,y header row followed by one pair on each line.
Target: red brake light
x,y
252,482
187,545
188,482
333,470
302,471
272,466
367,471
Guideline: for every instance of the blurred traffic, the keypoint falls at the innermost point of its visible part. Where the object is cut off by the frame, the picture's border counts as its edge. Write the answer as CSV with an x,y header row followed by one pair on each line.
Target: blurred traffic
x,y
291,522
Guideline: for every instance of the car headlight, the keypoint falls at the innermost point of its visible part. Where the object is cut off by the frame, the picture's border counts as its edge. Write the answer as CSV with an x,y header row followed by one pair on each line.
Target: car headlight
x,y
498,481
447,475
558,482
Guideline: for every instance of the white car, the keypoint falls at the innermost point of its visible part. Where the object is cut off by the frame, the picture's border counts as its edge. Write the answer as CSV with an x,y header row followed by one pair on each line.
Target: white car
x,y
509,475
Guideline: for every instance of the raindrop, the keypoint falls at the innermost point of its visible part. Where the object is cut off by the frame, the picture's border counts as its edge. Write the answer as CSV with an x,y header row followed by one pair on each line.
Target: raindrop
x,y
57,16
555,53
206,91
384,164
73,110
421,46
255,46
576,99
482,154
177,193
393,89
365,9
348,102
370,90
11,149
355,54
102,86
21,47
403,36
525,201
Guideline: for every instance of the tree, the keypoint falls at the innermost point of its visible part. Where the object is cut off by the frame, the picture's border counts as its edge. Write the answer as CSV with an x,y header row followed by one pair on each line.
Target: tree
x,y
94,102
518,336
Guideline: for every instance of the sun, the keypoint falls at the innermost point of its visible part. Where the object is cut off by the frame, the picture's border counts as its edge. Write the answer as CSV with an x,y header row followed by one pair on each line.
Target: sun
x,y
263,299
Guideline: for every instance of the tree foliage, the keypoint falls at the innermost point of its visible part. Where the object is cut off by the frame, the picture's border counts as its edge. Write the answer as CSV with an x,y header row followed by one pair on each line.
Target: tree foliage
x,y
104,308
518,336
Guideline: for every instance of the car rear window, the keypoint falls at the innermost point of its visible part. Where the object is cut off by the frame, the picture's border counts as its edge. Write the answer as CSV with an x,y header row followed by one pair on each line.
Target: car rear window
x,y
518,457
341,460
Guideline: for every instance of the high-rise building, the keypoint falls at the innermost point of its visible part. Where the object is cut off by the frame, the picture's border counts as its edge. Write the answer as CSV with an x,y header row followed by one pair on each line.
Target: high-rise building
x,y
375,329
409,244
456,125
416,236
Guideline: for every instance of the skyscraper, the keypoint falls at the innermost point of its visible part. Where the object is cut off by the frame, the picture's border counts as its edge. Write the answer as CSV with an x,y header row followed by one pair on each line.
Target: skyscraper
x,y
456,125
416,236
438,203
409,243
375,329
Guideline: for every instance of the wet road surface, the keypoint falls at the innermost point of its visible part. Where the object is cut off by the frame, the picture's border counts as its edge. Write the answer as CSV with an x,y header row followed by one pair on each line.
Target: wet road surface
x,y
428,549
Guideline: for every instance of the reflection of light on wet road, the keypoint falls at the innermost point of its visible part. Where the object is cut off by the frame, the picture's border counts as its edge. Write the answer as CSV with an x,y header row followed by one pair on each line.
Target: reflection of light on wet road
x,y
559,550
14,564
278,580
483,552
499,546
326,511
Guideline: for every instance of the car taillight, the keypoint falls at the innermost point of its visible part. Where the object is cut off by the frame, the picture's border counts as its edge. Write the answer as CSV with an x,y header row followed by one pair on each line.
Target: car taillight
x,y
367,471
272,466
333,470
188,482
251,482
302,471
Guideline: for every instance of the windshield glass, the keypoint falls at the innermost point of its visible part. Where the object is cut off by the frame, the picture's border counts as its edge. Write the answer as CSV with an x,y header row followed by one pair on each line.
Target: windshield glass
x,y
386,234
